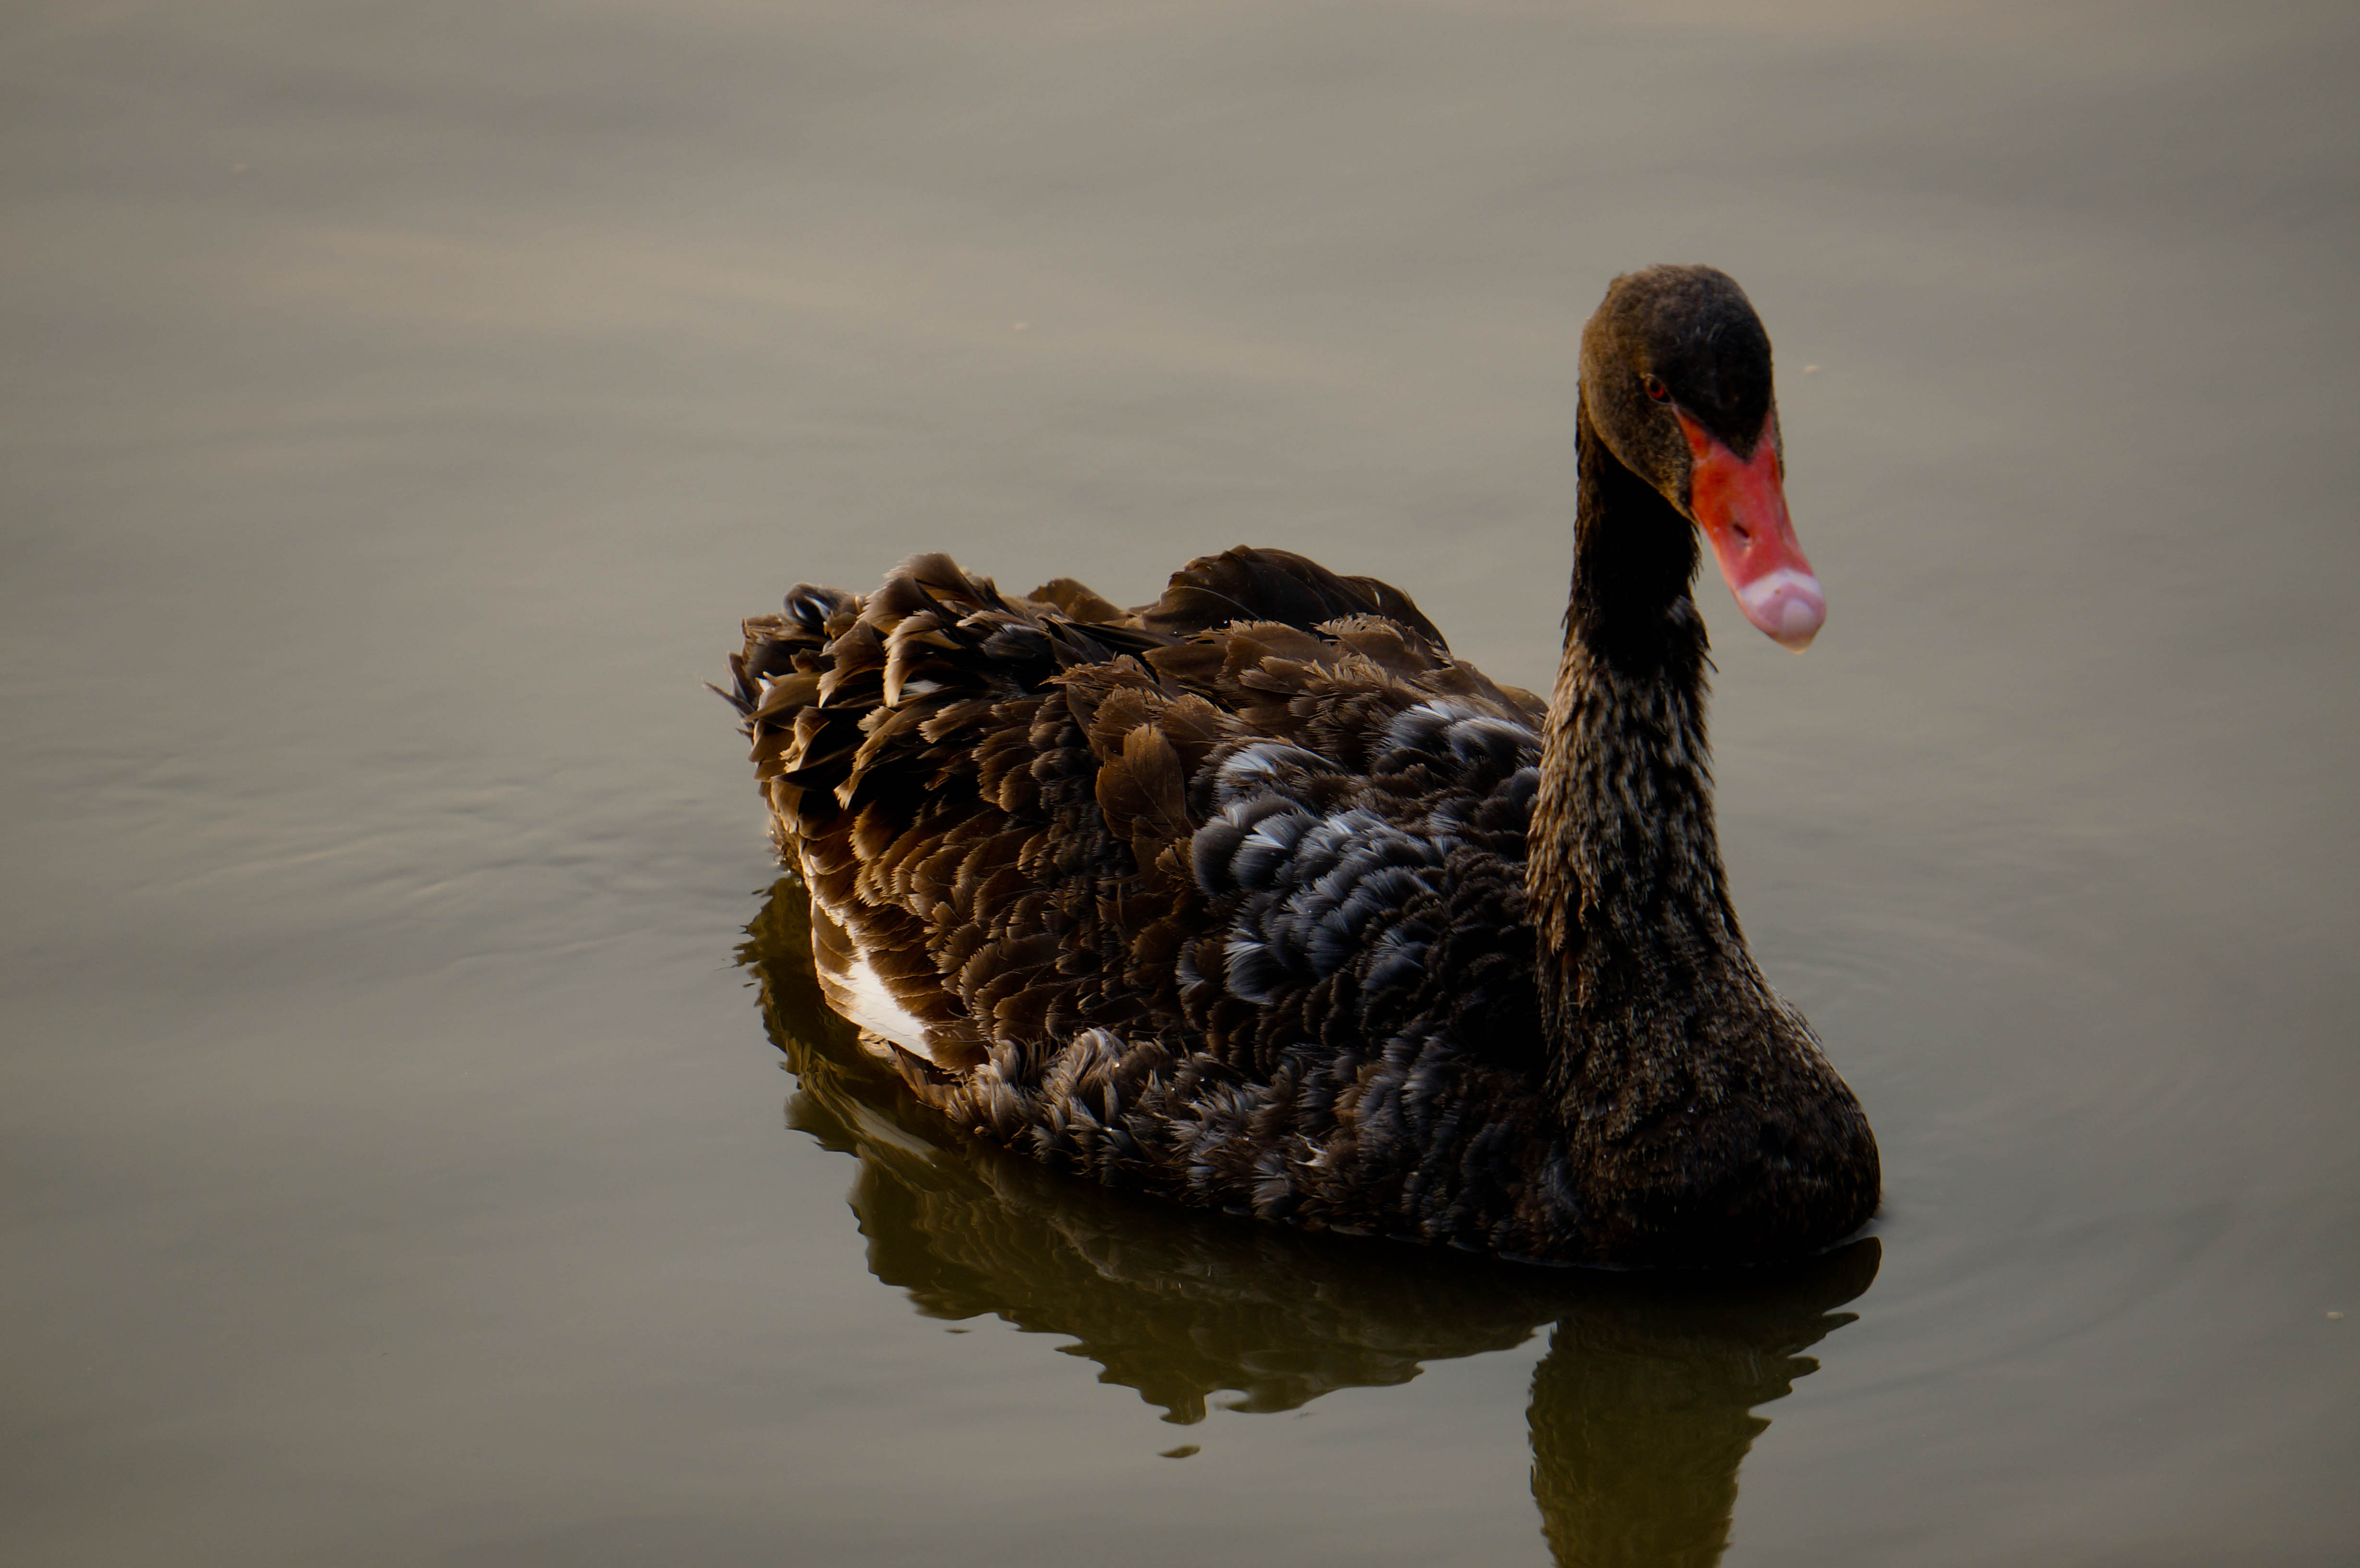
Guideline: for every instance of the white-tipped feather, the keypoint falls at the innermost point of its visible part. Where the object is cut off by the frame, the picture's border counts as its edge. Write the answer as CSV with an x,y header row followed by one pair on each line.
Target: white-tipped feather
x,y
859,993
855,991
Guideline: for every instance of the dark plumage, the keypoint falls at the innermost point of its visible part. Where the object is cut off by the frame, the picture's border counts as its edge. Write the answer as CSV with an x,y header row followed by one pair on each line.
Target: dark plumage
x,y
1257,898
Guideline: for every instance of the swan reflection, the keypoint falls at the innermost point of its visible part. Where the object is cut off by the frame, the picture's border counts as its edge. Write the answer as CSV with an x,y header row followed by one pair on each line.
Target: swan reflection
x,y
1641,1410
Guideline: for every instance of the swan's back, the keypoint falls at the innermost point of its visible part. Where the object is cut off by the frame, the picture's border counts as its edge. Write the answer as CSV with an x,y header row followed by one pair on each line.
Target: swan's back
x,y
1221,899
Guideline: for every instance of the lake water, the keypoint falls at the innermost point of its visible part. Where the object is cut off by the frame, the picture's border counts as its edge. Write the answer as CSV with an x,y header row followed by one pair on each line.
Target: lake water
x,y
403,403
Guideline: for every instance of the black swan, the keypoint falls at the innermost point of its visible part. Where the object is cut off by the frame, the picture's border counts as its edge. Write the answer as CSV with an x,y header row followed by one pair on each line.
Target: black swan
x,y
1257,898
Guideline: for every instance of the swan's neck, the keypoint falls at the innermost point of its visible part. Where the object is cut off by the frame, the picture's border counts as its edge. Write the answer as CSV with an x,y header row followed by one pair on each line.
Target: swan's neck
x,y
1637,942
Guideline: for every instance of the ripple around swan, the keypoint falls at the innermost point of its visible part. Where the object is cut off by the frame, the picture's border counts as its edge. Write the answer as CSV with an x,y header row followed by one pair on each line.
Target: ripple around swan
x,y
1641,1410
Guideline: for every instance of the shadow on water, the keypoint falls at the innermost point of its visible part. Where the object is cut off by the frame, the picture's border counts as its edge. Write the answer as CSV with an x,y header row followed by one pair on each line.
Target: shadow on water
x,y
1641,1410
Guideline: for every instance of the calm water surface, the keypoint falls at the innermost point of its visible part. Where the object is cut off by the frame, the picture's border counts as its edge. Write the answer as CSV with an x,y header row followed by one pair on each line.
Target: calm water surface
x,y
398,405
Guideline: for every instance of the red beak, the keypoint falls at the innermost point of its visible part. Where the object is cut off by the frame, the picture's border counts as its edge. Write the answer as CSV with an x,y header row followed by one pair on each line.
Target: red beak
x,y
1741,505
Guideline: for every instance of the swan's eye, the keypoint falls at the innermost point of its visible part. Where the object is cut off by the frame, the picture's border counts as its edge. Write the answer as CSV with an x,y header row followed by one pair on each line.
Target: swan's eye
x,y
1656,389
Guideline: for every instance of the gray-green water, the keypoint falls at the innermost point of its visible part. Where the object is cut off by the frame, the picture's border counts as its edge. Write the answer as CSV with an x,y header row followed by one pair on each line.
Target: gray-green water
x,y
399,405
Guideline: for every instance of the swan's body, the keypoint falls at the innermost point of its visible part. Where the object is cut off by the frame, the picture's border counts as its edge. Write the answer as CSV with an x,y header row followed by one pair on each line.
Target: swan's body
x,y
1257,898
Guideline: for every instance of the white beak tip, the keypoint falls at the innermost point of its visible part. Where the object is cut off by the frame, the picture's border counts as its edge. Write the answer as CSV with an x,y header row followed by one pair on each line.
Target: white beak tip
x,y
1798,623
1789,606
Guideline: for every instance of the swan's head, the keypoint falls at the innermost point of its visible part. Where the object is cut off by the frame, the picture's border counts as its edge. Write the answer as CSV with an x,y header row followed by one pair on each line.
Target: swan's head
x,y
1676,380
